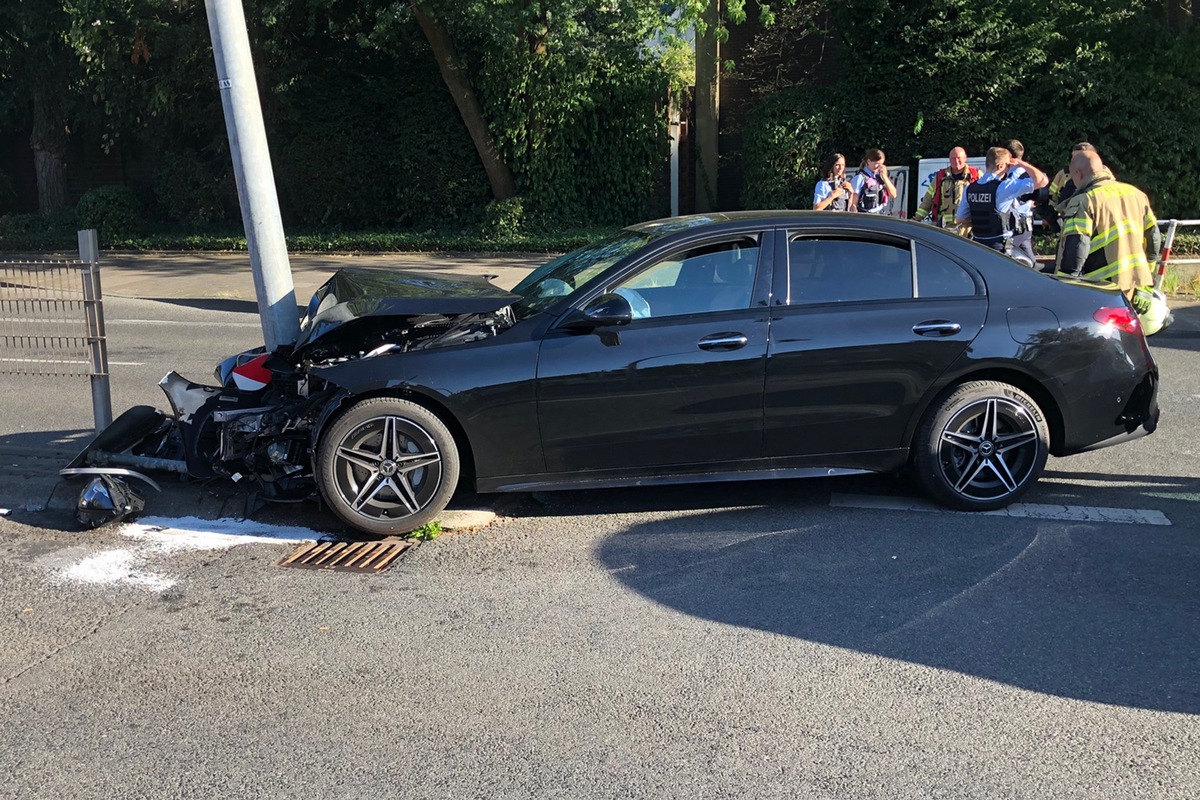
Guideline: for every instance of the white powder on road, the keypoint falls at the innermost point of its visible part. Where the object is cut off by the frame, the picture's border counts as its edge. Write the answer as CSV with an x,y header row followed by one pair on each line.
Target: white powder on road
x,y
160,537
191,533
116,567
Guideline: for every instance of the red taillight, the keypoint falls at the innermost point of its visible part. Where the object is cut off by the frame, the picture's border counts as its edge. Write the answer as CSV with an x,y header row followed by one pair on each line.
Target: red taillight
x,y
1121,318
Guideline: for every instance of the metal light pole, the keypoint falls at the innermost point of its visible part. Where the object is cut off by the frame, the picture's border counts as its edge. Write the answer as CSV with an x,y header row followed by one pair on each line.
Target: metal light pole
x,y
252,170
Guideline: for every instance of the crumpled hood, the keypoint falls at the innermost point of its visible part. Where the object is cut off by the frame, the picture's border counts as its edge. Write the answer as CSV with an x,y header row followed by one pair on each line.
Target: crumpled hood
x,y
354,294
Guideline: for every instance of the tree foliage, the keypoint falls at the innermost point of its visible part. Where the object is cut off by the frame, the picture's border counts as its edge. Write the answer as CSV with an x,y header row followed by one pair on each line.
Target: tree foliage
x,y
363,132
918,78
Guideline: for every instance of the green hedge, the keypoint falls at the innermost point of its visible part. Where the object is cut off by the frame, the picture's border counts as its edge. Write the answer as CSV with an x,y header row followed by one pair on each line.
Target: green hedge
x,y
29,233
364,149
114,211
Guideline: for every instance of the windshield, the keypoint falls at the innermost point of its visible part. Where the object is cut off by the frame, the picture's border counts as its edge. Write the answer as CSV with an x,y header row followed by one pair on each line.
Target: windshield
x,y
552,281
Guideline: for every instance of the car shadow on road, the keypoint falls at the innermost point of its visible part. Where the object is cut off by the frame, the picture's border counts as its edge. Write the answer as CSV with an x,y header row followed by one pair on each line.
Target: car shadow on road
x,y
1107,613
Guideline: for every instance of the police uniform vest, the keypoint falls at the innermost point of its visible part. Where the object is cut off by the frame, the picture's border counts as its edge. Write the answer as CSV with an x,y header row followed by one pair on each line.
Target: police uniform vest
x,y
841,202
870,199
987,223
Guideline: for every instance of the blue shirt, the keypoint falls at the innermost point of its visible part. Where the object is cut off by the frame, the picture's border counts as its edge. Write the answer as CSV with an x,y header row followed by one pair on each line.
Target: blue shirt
x,y
1011,186
823,191
1024,209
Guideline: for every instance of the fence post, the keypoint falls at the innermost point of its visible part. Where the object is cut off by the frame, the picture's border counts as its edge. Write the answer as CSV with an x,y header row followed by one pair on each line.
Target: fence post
x,y
1164,255
93,307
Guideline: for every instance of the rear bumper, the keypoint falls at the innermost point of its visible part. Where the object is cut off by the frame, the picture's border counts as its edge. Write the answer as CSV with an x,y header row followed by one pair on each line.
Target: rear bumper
x,y
1138,418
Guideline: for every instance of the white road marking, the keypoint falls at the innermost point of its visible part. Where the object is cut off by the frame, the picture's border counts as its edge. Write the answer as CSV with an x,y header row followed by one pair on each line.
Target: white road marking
x,y
179,322
111,322
1134,516
65,361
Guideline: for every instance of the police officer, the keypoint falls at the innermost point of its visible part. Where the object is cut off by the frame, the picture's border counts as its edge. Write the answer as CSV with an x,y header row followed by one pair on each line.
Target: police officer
x,y
1109,230
946,189
988,203
833,192
1022,239
872,187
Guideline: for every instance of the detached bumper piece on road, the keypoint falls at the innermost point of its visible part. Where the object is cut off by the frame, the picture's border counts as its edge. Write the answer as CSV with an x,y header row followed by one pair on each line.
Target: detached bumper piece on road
x,y
369,557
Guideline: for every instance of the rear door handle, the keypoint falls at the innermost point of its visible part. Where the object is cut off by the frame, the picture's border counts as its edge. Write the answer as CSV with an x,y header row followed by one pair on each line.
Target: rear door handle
x,y
723,341
936,327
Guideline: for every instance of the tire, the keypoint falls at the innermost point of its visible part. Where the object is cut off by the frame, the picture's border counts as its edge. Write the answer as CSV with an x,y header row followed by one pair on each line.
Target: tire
x,y
387,466
981,446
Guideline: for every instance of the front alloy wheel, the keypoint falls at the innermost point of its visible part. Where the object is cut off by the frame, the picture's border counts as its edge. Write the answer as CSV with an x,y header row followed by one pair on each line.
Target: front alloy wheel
x,y
982,447
387,466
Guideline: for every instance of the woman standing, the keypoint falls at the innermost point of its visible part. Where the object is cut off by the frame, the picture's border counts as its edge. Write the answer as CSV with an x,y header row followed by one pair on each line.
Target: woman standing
x,y
833,192
872,186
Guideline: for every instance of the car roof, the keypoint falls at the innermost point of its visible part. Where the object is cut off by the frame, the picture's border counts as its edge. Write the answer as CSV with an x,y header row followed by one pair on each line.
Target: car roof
x,y
738,219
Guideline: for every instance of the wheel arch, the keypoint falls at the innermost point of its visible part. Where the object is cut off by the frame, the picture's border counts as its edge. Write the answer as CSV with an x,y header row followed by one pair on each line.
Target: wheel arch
x,y
1021,380
344,400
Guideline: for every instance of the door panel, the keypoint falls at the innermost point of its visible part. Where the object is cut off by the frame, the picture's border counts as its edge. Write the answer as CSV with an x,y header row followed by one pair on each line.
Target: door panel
x,y
850,355
681,384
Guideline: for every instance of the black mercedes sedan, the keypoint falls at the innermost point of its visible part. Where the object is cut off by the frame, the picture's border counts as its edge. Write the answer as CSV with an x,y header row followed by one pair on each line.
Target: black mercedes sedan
x,y
704,348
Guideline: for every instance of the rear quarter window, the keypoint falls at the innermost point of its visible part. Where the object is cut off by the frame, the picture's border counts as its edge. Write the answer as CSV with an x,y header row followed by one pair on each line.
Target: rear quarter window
x,y
939,275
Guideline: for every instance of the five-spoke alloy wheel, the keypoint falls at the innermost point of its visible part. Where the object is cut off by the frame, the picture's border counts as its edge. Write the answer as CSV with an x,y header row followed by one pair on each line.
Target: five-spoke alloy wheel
x,y
387,466
981,447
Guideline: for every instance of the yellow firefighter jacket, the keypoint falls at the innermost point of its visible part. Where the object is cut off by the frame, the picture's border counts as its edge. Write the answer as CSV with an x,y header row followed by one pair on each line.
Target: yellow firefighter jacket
x,y
1107,228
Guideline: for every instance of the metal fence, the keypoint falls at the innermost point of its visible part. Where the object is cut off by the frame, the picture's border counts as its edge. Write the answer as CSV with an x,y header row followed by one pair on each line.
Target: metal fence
x,y
1172,225
52,322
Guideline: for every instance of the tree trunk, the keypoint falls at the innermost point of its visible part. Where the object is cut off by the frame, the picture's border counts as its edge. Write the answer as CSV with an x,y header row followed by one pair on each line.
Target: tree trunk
x,y
1179,17
49,144
499,176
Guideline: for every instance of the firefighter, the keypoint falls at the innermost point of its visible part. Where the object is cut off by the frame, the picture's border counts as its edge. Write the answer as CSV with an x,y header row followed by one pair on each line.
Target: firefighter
x,y
988,204
1109,231
1062,187
942,197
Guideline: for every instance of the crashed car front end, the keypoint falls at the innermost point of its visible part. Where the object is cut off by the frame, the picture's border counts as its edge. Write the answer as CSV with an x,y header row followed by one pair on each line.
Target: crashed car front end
x,y
259,422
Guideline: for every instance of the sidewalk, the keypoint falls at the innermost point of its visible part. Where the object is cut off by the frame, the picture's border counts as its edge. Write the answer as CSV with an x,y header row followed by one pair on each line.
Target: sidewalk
x,y
177,276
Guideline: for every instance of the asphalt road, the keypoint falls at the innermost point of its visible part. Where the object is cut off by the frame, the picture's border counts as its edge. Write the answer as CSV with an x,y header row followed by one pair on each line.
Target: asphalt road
x,y
777,639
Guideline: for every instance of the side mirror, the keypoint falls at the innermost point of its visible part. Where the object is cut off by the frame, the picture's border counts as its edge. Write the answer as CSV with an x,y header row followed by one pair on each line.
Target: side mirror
x,y
607,309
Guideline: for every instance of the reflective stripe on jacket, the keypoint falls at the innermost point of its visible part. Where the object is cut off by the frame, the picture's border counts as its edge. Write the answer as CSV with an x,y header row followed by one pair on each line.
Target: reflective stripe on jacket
x,y
1107,225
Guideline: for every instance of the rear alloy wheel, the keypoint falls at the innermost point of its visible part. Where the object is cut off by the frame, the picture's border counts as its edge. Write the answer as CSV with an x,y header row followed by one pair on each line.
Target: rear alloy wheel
x,y
387,466
982,446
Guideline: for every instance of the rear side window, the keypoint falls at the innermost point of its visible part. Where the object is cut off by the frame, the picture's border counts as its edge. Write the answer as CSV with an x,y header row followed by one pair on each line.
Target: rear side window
x,y
940,276
831,270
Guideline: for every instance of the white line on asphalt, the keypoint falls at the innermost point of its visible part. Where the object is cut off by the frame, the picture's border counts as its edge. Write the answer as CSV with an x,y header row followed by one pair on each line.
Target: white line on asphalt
x,y
110,321
1135,516
62,361
179,322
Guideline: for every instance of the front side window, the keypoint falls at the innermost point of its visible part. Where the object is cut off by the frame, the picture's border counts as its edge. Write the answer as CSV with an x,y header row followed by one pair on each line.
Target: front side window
x,y
840,270
559,278
713,277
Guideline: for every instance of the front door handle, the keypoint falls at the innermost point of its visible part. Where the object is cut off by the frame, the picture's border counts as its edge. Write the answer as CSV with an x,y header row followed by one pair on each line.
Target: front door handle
x,y
936,327
723,341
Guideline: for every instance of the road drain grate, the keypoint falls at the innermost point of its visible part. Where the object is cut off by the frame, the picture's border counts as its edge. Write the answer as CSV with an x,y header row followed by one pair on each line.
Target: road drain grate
x,y
347,556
